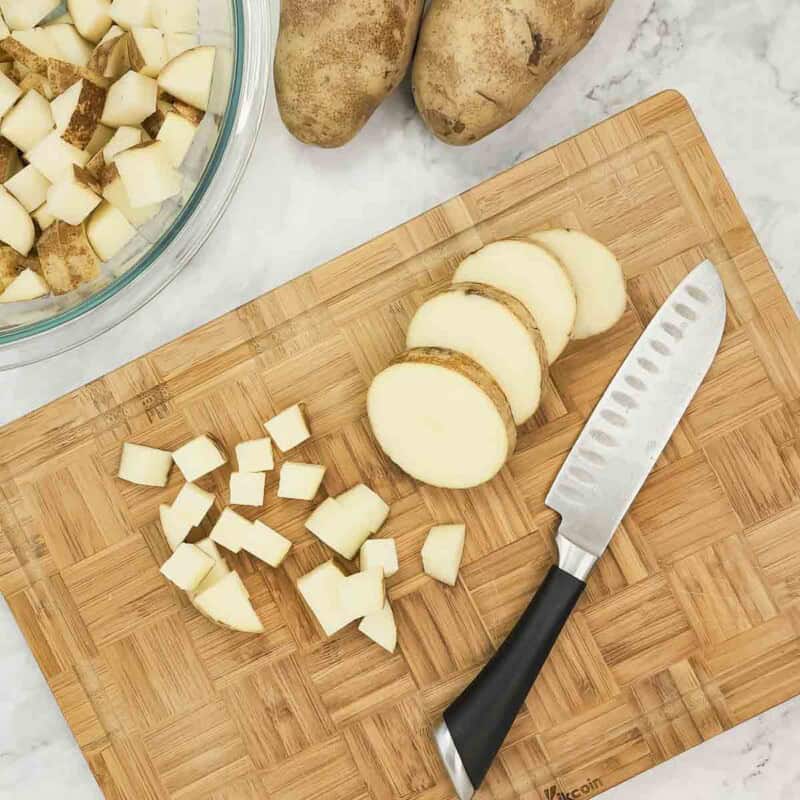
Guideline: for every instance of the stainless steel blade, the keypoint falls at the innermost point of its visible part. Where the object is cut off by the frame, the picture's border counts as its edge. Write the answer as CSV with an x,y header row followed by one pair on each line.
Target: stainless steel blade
x,y
638,413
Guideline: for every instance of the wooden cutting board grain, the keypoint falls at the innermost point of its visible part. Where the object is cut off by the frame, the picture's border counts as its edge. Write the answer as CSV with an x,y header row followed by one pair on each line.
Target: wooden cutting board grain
x,y
690,625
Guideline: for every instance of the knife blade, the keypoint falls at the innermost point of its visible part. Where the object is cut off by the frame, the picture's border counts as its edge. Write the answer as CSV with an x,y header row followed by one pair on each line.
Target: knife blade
x,y
602,474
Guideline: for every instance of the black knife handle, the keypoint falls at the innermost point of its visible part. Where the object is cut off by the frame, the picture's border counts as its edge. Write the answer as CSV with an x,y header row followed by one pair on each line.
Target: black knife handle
x,y
480,718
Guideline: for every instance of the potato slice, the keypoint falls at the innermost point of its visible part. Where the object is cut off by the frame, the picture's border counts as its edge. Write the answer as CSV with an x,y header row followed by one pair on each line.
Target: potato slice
x,y
188,76
442,552
300,481
174,525
146,466
130,100
108,231
175,16
493,329
230,530
193,503
101,137
177,134
31,48
379,553
320,590
16,225
74,197
28,122
54,157
187,567
596,275
77,117
148,176
147,52
28,285
91,17
288,429
24,14
247,488
533,276
441,418
362,594
71,45
9,93
255,455
266,544
381,628
29,187
177,43
199,457
67,258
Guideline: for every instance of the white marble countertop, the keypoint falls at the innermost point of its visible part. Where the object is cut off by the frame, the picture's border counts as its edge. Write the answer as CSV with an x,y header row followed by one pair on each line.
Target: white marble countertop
x,y
735,60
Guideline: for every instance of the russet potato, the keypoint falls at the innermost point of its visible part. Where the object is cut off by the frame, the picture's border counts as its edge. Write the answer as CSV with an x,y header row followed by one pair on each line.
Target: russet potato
x,y
337,60
480,62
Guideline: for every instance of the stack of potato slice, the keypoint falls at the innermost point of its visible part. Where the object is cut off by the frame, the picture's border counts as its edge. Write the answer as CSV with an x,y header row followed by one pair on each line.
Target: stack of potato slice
x,y
98,108
446,410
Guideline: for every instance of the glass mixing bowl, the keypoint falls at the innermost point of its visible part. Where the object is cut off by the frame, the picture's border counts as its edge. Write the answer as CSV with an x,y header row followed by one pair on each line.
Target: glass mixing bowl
x,y
240,30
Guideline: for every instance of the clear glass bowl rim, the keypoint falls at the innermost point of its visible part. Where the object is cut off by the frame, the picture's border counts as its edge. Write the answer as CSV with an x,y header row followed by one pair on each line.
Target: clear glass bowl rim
x,y
251,30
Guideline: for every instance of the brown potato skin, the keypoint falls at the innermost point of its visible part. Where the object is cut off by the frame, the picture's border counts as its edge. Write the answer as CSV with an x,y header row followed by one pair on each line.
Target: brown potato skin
x,y
337,60
480,62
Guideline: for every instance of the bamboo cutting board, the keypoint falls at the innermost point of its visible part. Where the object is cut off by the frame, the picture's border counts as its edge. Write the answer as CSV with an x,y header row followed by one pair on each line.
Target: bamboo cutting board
x,y
690,625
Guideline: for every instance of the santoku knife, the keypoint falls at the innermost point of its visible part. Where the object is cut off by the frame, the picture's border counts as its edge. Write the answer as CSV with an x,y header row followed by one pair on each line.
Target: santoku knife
x,y
596,485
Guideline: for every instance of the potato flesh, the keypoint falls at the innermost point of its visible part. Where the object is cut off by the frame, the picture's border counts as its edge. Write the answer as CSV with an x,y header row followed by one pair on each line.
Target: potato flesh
x,y
535,278
379,553
91,17
114,192
596,275
320,590
177,43
226,602
442,552
147,51
230,530
247,488
362,593
218,571
381,628
29,186
130,100
331,523
366,507
193,503
255,455
437,425
28,285
129,14
108,231
188,76
175,16
288,429
177,135
490,333
174,525
72,46
71,201
265,544
16,225
198,457
123,139
146,466
24,14
54,157
9,93
187,567
28,122
300,481
147,175
64,105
